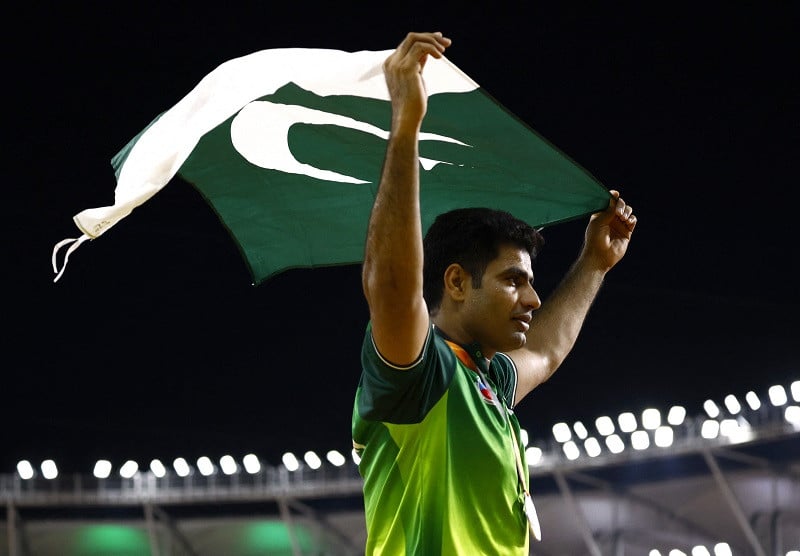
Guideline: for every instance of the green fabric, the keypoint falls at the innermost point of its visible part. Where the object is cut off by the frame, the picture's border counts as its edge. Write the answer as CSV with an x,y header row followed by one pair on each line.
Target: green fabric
x,y
282,220
437,460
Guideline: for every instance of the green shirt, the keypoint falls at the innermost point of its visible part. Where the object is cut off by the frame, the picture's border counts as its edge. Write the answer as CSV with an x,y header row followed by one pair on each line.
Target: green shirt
x,y
436,454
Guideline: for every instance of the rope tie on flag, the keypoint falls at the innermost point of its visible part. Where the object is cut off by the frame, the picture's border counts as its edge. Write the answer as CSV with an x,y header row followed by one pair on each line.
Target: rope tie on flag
x,y
76,241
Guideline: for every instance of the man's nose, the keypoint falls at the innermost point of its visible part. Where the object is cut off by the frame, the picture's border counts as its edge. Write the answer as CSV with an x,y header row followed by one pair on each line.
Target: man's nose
x,y
531,298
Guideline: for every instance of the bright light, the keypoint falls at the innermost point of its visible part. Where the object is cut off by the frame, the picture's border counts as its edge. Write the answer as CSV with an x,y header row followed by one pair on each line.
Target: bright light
x,y
102,469
228,465
571,450
604,425
664,437
733,405
654,552
128,469
615,444
335,458
711,409
312,459
722,549
523,437
640,440
580,430
795,389
157,468
25,470
561,432
793,553
777,395
181,467
792,415
710,429
700,550
651,419
676,415
753,401
49,469
533,455
251,464
205,466
676,552
592,447
627,422
355,456
290,461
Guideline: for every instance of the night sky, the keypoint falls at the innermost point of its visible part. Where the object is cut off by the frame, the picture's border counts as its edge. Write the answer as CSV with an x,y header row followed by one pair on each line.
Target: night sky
x,y
155,343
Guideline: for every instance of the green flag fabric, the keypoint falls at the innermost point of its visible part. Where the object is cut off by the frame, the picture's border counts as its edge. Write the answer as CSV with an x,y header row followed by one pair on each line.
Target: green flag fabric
x,y
286,146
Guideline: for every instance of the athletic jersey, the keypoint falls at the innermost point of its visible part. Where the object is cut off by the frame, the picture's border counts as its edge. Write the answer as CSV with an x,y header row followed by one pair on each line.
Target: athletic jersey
x,y
436,453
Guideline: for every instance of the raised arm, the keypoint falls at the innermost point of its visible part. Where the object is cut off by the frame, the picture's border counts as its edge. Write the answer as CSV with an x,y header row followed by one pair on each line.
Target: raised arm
x,y
392,270
555,326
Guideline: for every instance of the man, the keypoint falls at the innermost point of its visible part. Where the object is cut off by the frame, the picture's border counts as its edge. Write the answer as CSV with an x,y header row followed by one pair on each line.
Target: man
x,y
446,358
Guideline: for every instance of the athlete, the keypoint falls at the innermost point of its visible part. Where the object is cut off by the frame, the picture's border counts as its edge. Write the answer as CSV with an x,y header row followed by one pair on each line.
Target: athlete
x,y
457,337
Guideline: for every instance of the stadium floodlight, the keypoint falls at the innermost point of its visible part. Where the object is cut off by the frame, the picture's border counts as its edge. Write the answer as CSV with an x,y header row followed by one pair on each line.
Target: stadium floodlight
x,y
604,425
312,460
228,464
355,456
722,549
561,432
128,469
640,440
676,552
792,415
251,464
700,550
25,470
580,430
793,553
335,457
664,437
732,404
711,409
676,415
571,450
777,395
752,400
654,552
651,419
102,469
523,437
181,467
533,455
710,429
290,461
795,389
49,469
592,447
157,468
205,466
627,422
615,444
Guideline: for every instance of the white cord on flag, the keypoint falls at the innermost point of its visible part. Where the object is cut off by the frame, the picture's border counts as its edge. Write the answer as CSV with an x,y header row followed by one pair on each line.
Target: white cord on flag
x,y
75,243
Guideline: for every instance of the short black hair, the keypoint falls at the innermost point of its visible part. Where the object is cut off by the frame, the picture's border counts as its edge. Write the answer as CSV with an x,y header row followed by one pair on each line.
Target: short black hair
x,y
471,237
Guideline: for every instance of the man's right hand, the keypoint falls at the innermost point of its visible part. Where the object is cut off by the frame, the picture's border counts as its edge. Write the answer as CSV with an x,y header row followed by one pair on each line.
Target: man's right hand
x,y
403,72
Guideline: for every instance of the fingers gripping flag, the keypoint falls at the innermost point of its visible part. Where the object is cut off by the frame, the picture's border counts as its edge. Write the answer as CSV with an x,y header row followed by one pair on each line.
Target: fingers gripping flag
x,y
286,146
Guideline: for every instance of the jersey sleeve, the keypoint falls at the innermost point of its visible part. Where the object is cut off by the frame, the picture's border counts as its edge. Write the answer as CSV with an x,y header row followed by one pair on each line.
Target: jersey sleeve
x,y
504,374
402,395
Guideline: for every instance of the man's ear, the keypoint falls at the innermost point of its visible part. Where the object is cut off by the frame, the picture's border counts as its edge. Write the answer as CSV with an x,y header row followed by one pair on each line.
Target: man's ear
x,y
455,282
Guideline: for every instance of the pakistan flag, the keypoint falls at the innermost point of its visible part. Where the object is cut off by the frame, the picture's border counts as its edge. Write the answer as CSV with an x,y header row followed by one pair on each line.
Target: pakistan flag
x,y
286,146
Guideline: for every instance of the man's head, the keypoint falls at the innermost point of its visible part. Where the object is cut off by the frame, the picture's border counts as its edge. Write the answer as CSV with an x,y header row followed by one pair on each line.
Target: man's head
x,y
471,237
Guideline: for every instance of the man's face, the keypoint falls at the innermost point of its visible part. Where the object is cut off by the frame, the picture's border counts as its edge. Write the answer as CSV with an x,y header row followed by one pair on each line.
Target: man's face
x,y
498,313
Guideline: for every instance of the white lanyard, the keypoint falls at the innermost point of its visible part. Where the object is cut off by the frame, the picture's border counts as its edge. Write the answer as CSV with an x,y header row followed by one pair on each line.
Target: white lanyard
x,y
530,509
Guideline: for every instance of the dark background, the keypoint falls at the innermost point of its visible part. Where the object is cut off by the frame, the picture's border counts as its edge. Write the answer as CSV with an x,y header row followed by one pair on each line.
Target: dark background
x,y
154,343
